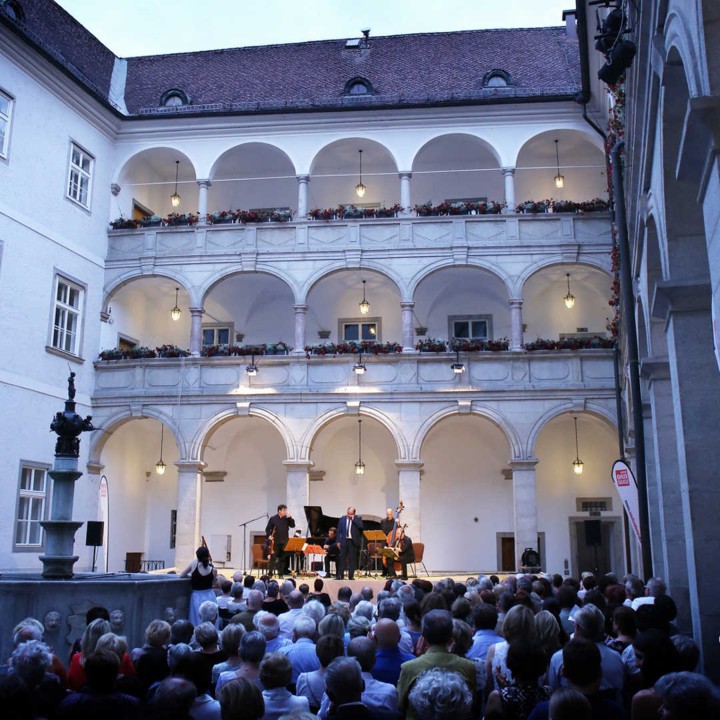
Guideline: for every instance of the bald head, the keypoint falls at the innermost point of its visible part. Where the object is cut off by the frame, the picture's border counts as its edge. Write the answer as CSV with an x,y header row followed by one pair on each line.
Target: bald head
x,y
254,600
296,599
387,634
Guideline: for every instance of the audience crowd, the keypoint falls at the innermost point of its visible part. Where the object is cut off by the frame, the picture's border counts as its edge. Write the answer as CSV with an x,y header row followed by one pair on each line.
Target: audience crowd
x,y
527,647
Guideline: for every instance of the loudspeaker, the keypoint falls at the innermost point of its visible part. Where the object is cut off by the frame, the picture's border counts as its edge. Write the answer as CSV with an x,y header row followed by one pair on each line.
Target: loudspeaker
x,y
593,533
94,533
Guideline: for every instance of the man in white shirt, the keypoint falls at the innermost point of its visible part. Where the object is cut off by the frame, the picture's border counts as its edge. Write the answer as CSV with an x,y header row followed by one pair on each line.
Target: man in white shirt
x,y
295,602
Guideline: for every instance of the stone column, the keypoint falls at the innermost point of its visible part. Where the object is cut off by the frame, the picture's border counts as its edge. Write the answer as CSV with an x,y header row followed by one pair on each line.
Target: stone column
x,y
189,496
409,493
203,186
516,323
300,315
525,508
408,333
298,489
303,181
405,192
196,315
509,175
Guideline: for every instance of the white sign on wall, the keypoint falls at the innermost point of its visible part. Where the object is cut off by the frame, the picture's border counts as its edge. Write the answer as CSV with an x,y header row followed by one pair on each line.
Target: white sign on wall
x,y
626,486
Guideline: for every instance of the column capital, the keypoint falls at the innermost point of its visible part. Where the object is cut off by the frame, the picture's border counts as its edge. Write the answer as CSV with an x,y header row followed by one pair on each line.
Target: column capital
x,y
524,464
515,302
94,468
405,174
407,304
300,308
303,178
188,466
204,182
298,464
508,170
196,311
409,464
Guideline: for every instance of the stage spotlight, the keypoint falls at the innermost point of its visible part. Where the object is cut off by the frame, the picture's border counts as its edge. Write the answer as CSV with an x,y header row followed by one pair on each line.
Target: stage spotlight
x,y
619,59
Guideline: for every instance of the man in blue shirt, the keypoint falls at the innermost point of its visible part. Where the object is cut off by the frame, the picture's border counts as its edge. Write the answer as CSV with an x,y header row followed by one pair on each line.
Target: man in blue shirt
x,y
388,657
484,619
301,653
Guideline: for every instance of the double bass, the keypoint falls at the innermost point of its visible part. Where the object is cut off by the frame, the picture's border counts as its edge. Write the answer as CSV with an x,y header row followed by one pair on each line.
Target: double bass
x,y
392,537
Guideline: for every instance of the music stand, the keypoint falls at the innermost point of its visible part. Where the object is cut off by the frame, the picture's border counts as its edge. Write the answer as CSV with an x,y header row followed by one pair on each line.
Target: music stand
x,y
294,545
312,550
376,536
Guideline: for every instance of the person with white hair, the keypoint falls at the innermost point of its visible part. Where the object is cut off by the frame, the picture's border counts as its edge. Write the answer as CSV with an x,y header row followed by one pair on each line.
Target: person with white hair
x,y
440,694
208,611
269,625
364,609
314,609
287,620
301,652
31,662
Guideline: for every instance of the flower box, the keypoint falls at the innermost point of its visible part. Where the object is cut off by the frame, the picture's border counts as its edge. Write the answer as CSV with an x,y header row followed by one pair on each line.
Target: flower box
x,y
171,351
470,345
279,348
176,219
151,221
431,345
122,223
593,343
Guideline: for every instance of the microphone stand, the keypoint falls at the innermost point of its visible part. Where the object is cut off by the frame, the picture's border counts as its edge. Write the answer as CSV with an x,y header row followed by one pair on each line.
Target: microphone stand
x,y
244,527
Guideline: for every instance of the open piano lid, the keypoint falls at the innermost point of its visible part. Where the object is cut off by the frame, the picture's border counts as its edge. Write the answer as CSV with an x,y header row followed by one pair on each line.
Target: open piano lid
x,y
319,524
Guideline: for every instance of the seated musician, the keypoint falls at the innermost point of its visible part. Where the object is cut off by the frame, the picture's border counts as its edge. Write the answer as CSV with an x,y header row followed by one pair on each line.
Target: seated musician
x,y
332,549
404,553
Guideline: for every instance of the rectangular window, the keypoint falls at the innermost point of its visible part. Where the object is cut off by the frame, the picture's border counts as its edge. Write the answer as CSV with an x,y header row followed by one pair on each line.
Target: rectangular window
x,y
359,330
67,315
216,335
80,175
6,106
32,498
470,327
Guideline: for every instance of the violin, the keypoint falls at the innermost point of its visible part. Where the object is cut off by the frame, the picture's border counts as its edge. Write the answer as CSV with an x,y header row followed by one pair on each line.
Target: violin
x,y
270,544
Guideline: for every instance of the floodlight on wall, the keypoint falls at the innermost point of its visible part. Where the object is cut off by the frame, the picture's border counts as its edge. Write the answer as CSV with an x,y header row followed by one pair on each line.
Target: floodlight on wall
x,y
160,466
176,312
577,462
360,188
252,368
358,367
457,367
364,304
569,299
175,198
359,465
559,179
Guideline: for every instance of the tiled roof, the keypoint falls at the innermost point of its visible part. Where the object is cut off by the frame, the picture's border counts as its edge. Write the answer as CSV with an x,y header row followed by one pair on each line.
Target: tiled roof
x,y
421,69
68,43
403,69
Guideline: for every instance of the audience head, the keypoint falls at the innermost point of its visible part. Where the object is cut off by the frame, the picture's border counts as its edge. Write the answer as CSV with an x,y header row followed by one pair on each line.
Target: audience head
x,y
252,647
437,627
688,652
273,589
624,621
208,611
101,671
634,587
358,627
344,681
304,628
364,609
318,585
113,643
206,635
254,600
92,634
526,660
175,653
230,639
157,634
340,608
363,650
461,608
275,671
687,696
27,629
590,623
30,661
519,622
287,587
248,582
440,694
344,594
226,586
194,669
548,630
15,698
241,699
328,648
462,638
295,600
386,633
173,699
655,655
267,623
315,610
566,703
181,631
367,593
332,624
581,665
484,617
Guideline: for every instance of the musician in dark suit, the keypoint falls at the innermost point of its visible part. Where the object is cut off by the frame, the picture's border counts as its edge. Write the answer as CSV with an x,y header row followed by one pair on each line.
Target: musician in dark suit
x,y
406,554
350,536
387,525
280,524
332,549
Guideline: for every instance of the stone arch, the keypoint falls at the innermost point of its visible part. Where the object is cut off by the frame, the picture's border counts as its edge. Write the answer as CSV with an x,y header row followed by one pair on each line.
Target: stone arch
x,y
567,407
363,138
680,39
228,271
197,443
177,152
480,263
491,414
602,263
486,144
128,278
234,146
306,441
367,264
101,435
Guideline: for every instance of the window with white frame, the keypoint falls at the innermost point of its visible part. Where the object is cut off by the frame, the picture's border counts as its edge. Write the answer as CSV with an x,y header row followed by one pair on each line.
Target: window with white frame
x,y
6,107
358,330
80,175
32,499
216,335
67,315
470,327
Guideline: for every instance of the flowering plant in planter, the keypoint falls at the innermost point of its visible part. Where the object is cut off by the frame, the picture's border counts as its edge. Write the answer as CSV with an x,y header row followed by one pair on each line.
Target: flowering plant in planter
x,y
278,348
431,345
594,205
216,350
319,214
281,216
425,209
570,344
386,212
137,353
249,349
174,219
250,216
376,348
533,207
151,221
473,345
563,206
321,349
113,354
123,223
350,211
492,207
220,217
171,351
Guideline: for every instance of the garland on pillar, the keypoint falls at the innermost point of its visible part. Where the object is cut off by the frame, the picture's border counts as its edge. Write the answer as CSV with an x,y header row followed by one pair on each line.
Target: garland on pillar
x,y
615,132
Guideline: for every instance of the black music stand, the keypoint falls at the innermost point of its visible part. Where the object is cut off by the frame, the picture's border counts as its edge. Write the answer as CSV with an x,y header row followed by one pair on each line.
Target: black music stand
x,y
375,536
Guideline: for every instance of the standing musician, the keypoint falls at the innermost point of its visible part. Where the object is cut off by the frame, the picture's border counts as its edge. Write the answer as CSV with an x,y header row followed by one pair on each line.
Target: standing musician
x,y
350,536
387,525
332,550
278,527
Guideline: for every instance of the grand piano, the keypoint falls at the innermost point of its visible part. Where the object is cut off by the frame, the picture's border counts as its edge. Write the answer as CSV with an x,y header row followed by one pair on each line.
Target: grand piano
x,y
319,523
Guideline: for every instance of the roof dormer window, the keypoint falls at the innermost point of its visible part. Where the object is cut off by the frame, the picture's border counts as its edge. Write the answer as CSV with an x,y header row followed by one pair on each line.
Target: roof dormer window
x,y
497,79
358,87
174,98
